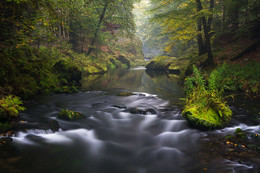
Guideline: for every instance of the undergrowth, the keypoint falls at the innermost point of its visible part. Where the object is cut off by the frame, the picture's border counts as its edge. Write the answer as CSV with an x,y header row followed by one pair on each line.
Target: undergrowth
x,y
205,106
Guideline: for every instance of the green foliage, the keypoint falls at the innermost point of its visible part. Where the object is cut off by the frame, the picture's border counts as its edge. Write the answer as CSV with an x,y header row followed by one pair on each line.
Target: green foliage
x,y
236,78
69,115
216,78
66,89
27,71
245,78
10,107
204,106
195,81
5,127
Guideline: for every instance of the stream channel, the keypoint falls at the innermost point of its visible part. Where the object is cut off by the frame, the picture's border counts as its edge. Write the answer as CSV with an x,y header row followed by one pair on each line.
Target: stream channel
x,y
140,133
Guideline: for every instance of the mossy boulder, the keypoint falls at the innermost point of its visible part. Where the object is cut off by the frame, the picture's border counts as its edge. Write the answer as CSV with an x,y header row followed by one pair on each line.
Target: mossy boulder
x,y
68,74
69,115
160,63
205,106
124,60
178,66
94,68
206,118
171,65
240,134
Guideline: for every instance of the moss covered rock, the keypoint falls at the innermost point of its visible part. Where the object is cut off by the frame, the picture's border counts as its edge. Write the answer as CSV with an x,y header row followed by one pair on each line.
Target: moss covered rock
x,y
68,73
168,64
206,117
205,106
69,115
240,134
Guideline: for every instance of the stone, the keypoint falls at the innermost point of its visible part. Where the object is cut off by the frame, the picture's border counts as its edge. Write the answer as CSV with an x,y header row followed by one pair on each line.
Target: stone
x,y
69,115
6,140
54,125
240,134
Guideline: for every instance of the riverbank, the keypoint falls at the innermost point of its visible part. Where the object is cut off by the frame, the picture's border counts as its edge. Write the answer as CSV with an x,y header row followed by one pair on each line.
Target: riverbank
x,y
236,70
30,71
116,113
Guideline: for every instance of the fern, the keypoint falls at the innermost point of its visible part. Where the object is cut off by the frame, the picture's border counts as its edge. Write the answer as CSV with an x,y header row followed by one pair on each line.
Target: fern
x,y
10,106
200,82
216,79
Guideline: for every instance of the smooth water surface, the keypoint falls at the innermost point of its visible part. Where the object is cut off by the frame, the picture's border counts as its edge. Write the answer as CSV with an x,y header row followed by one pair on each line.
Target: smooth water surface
x,y
141,133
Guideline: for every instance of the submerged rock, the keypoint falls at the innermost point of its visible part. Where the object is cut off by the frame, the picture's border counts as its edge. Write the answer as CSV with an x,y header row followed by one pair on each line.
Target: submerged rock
x,y
5,140
69,115
141,111
125,94
34,138
54,125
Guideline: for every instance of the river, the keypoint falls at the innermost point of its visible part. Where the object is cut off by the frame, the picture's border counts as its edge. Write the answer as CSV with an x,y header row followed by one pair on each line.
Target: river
x,y
140,133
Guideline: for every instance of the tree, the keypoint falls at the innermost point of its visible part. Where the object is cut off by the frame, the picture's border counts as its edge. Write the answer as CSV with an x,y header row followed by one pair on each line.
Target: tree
x,y
101,17
184,21
206,28
115,12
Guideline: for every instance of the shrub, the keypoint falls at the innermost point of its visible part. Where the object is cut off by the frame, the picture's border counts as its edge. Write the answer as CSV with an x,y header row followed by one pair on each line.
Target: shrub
x,y
10,107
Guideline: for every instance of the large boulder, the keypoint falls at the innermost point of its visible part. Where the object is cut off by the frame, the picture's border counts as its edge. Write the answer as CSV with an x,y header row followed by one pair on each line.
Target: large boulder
x,y
124,60
171,65
68,74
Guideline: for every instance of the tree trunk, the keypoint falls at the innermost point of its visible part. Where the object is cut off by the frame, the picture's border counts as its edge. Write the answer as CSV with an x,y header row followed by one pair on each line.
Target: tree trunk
x,y
224,16
206,28
201,45
246,12
235,16
93,40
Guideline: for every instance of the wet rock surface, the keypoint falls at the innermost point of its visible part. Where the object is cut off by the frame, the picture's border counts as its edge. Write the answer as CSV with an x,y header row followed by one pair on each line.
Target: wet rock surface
x,y
241,149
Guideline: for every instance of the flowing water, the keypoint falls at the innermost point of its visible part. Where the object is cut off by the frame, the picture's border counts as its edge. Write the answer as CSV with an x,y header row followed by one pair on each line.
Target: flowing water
x,y
140,133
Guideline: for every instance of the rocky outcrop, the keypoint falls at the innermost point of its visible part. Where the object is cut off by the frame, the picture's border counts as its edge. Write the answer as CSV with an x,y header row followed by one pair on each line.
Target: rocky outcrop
x,y
170,65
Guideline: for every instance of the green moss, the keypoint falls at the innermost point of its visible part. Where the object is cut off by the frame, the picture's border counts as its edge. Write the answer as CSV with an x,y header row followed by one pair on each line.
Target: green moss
x,y
69,115
205,107
112,66
206,117
168,64
240,134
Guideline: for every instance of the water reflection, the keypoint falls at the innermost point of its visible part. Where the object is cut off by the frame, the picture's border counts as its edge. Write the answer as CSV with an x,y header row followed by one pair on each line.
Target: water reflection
x,y
136,80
